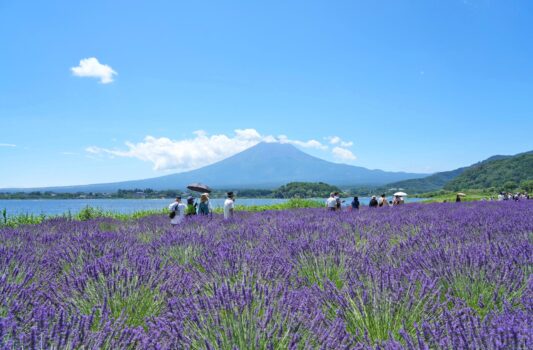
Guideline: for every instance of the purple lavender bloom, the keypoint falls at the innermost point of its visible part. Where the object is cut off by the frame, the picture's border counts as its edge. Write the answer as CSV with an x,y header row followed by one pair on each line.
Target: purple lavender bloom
x,y
419,276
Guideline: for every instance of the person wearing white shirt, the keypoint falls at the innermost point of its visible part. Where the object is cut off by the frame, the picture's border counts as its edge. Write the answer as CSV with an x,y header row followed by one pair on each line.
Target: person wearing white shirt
x,y
331,202
382,201
179,209
229,206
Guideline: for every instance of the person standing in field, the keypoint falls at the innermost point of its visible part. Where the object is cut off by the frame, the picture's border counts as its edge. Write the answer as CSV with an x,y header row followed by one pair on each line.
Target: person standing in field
x,y
373,202
355,203
457,199
331,202
205,206
229,206
382,201
191,206
338,203
397,200
177,211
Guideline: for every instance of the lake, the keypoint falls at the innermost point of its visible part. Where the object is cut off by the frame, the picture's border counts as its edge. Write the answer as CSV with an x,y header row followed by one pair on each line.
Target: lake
x,y
60,206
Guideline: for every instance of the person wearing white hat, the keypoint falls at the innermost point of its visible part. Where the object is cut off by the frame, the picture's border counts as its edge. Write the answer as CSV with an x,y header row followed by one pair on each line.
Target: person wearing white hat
x,y
373,202
205,206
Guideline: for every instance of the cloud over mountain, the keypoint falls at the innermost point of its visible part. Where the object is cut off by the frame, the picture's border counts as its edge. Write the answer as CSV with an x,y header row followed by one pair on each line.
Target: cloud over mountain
x,y
204,149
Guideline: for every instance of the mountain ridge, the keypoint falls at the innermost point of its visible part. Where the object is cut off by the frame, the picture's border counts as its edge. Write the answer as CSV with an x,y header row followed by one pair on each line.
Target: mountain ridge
x,y
452,179
265,165
495,173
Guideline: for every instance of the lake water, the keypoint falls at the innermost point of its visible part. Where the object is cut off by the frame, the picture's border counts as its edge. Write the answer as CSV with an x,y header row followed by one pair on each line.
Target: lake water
x,y
60,206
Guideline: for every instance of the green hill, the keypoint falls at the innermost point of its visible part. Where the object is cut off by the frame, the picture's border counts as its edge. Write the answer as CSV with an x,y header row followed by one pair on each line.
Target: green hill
x,y
426,184
494,172
501,173
305,190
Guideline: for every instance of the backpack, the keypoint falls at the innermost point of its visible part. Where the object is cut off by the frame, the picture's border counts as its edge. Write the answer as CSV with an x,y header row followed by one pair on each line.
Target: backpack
x,y
172,214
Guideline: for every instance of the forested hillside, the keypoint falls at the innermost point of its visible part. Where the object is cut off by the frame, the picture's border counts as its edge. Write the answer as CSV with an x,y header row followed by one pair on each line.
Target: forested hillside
x,y
502,174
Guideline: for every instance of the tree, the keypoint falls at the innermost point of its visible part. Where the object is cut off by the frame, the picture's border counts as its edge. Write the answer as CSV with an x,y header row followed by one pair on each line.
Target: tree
x,y
527,185
509,186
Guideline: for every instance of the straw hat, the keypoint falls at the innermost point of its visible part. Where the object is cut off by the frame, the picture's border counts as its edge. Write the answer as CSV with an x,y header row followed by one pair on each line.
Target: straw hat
x,y
204,197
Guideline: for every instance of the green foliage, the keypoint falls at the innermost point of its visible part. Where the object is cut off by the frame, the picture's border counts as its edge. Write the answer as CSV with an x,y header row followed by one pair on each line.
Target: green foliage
x,y
527,185
480,294
305,190
449,196
426,184
21,219
317,269
89,213
126,298
255,325
509,186
182,255
501,173
294,203
372,310
85,214
490,173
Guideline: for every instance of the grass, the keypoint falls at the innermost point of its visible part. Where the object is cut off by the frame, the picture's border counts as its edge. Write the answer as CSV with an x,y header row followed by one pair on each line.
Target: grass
x,y
89,213
253,323
122,299
481,294
317,269
449,196
181,254
293,203
381,317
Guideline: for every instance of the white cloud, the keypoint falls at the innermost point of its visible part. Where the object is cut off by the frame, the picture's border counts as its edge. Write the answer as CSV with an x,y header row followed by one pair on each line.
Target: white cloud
x,y
304,144
203,149
335,140
196,152
343,154
90,67
7,145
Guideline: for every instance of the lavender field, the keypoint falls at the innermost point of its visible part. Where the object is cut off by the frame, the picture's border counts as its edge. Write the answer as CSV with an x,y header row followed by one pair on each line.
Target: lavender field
x,y
418,276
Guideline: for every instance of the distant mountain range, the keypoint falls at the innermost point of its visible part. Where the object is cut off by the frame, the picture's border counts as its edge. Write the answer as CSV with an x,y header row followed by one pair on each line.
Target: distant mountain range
x,y
265,165
494,172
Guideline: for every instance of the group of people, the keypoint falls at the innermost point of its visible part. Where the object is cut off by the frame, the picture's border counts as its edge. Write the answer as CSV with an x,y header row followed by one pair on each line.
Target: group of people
x,y
334,202
179,210
506,196
383,202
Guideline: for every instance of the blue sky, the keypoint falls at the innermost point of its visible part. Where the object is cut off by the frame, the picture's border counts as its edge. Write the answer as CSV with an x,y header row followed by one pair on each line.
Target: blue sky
x,y
418,86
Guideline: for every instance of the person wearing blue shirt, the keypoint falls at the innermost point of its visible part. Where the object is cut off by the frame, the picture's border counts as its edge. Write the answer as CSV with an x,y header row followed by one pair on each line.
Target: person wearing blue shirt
x,y
355,203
